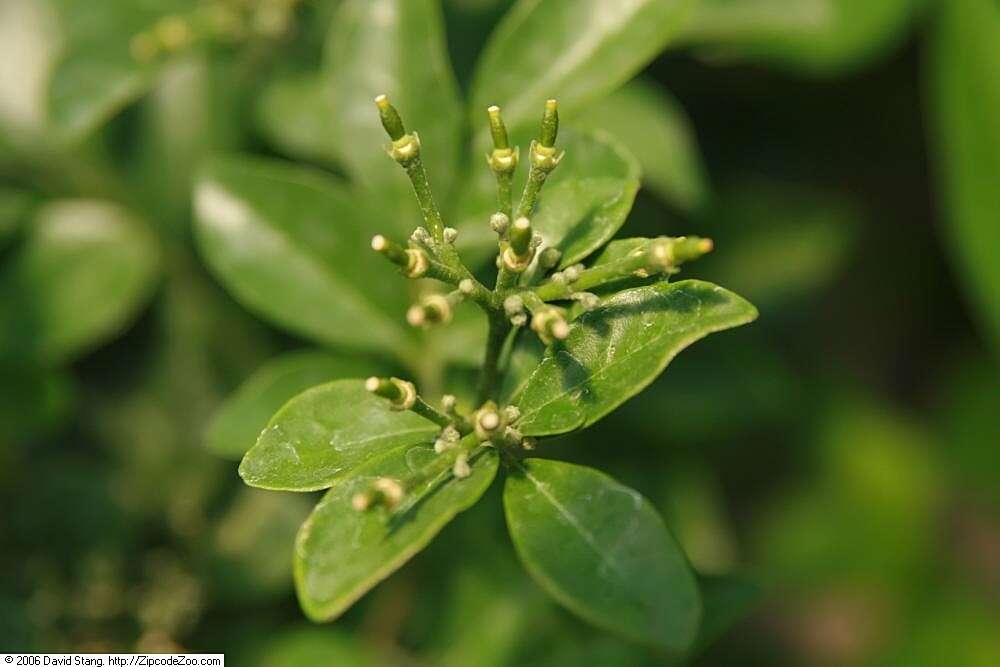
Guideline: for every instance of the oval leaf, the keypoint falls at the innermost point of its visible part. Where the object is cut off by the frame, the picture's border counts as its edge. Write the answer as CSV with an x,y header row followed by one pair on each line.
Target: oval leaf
x,y
395,47
341,553
97,76
239,421
293,114
83,272
603,552
293,246
326,432
966,101
653,126
571,50
813,37
614,351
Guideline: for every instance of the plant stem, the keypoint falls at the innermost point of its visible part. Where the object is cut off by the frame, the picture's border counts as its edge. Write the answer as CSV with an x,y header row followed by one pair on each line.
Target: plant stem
x,y
592,277
429,412
499,328
425,198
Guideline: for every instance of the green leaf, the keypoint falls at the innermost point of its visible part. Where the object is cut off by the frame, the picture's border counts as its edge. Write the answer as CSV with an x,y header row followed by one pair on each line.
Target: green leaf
x,y
614,351
573,50
294,113
29,45
583,204
813,37
324,434
579,215
603,552
293,245
395,47
83,272
96,75
341,553
654,128
966,103
239,420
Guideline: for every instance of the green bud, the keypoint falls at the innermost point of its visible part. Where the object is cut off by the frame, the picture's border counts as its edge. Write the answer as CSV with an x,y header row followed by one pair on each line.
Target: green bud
x,y
413,261
432,309
549,258
391,121
401,394
550,325
550,124
520,236
489,422
497,128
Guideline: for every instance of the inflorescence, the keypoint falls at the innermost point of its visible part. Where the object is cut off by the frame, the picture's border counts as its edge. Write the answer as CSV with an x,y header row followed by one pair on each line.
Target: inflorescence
x,y
532,291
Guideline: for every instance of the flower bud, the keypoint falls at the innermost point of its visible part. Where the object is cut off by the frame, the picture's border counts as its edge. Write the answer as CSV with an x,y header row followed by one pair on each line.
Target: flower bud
x,y
550,325
401,394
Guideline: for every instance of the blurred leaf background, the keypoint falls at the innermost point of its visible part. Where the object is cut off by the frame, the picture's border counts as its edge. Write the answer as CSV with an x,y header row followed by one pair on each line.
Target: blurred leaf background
x,y
831,471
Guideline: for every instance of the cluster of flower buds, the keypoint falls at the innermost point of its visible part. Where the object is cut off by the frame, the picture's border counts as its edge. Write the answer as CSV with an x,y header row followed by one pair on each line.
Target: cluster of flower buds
x,y
460,436
221,21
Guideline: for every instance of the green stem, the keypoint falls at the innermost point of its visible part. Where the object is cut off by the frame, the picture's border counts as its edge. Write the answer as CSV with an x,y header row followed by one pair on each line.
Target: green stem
x,y
505,196
499,328
425,198
429,412
589,278
529,197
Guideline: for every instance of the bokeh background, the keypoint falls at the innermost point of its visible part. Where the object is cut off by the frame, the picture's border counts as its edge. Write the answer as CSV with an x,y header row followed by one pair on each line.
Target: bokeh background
x,y
839,455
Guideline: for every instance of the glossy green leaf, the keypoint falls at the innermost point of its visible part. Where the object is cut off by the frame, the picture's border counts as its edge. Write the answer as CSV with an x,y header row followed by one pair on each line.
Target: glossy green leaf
x,y
295,113
573,50
616,350
395,47
82,273
29,46
341,553
602,551
583,203
293,245
96,75
243,416
816,37
653,127
965,92
325,433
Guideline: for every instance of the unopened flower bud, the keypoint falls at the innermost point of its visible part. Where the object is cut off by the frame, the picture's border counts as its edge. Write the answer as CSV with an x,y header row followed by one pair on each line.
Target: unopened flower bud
x,y
549,258
488,422
401,394
550,325
461,469
432,309
513,305
587,300
572,273
499,222
450,234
